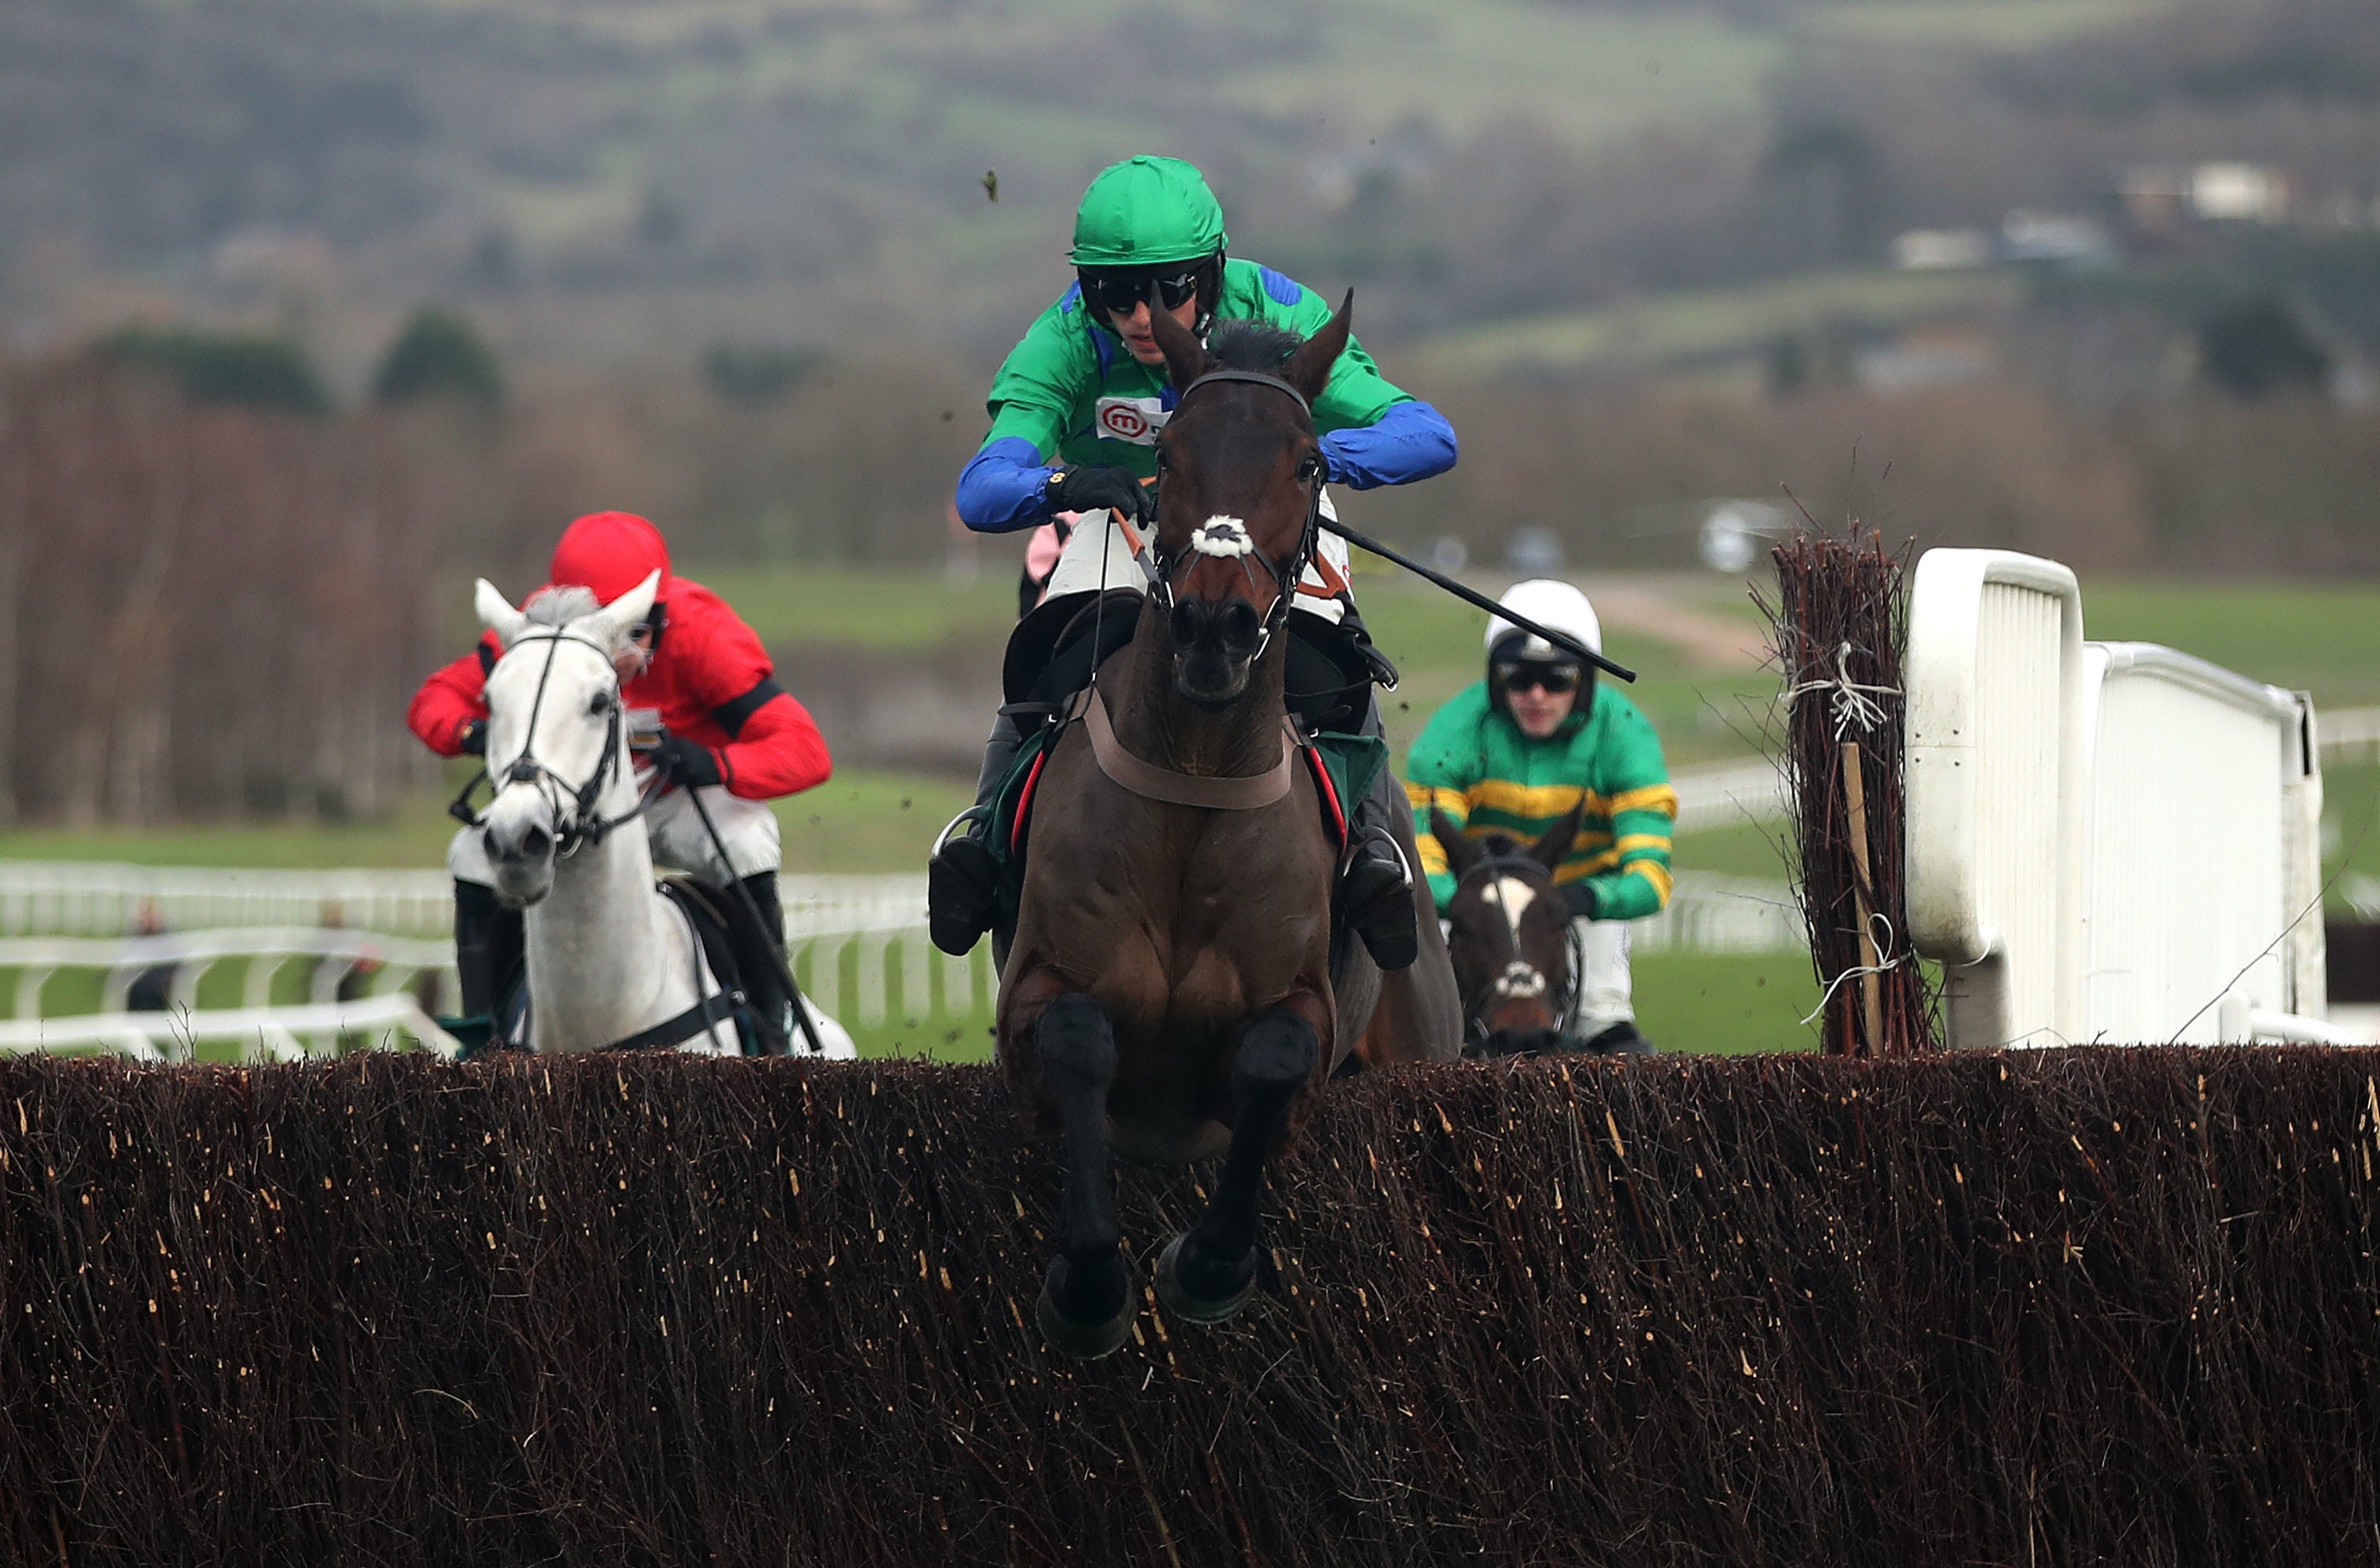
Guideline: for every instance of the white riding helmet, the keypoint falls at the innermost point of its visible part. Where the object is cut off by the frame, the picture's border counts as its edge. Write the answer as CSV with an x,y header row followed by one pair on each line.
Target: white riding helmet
x,y
1549,602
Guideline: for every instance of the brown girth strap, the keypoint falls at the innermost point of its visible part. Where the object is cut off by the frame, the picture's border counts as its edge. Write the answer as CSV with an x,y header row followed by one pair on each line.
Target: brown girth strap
x,y
1153,782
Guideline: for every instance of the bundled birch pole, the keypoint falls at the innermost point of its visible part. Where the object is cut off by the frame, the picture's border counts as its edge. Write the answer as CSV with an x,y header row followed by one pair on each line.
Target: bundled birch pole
x,y
1840,621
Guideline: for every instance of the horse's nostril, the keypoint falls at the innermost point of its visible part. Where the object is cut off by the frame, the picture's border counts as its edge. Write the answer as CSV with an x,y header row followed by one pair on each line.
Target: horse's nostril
x,y
1188,619
1239,625
535,843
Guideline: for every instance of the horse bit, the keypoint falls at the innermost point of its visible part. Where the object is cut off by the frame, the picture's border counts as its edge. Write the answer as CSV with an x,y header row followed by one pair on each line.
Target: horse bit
x,y
578,830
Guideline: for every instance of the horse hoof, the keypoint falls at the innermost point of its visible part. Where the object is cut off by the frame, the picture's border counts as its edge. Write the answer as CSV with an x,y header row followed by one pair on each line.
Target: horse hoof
x,y
1085,1342
1191,1309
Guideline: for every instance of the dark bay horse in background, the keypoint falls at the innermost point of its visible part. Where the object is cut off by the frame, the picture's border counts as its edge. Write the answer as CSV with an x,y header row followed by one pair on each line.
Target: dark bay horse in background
x,y
1170,992
1509,937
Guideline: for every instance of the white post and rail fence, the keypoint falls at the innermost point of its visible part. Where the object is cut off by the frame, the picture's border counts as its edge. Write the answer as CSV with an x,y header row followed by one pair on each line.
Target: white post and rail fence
x,y
184,957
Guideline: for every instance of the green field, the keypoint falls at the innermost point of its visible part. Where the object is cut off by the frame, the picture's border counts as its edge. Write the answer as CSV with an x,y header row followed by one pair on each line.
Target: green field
x,y
862,819
2322,638
1701,324
1685,1003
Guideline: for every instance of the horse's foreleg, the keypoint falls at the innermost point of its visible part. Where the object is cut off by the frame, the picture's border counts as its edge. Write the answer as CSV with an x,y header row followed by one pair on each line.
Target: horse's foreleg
x,y
1085,1308
1209,1271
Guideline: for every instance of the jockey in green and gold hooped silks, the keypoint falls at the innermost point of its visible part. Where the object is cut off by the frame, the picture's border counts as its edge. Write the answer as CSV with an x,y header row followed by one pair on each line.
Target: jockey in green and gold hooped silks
x,y
1515,752
1076,412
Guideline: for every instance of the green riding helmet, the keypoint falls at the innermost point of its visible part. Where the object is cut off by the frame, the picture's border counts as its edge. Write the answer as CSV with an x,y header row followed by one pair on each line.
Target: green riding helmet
x,y
1147,210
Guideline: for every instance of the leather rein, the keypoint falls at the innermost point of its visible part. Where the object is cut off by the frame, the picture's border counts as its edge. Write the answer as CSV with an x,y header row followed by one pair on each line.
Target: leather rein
x,y
1141,777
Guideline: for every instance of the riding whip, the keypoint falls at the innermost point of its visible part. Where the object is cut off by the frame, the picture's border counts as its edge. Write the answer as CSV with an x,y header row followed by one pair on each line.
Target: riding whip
x,y
752,907
1562,640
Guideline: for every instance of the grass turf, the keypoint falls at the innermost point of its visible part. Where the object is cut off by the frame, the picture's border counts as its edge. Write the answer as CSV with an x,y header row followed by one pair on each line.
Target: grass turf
x,y
1687,1004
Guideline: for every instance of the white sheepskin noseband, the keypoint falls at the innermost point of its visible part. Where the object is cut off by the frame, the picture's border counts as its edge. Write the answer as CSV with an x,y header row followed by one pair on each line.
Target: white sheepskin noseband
x,y
1221,536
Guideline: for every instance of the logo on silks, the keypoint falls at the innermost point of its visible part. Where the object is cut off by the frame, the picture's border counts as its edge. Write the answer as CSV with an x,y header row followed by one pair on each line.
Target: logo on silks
x,y
1135,420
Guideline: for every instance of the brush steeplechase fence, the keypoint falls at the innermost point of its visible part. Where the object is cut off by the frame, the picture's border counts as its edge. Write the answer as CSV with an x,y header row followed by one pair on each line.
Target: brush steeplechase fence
x,y
2065,1306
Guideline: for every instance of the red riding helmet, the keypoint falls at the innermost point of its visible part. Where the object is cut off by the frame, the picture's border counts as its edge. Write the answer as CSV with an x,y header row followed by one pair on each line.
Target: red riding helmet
x,y
611,553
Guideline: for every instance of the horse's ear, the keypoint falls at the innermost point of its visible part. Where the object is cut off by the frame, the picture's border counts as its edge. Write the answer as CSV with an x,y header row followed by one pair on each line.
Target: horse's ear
x,y
1548,850
1186,358
1309,368
610,624
1461,852
496,613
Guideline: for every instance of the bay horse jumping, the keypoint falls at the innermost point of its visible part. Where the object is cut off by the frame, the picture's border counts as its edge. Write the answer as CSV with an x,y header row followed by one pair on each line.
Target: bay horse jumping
x,y
1509,937
1168,992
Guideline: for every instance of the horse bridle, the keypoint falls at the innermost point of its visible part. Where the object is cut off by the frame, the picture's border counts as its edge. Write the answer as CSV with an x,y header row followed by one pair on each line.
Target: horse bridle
x,y
575,831
1517,975
1158,564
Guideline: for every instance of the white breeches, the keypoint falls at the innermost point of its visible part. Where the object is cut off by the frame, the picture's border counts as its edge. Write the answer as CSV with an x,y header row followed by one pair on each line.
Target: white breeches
x,y
1603,986
747,828
1097,555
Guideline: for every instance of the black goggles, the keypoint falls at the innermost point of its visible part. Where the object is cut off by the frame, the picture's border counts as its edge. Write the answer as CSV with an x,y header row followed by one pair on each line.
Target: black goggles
x,y
1120,291
1554,678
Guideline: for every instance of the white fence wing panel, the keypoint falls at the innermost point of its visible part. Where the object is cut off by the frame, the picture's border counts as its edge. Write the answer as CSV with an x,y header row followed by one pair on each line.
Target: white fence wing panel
x,y
2196,846
1994,768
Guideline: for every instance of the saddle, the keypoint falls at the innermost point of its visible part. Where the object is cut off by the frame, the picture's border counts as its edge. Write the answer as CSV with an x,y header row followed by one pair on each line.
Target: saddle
x,y
718,921
1051,656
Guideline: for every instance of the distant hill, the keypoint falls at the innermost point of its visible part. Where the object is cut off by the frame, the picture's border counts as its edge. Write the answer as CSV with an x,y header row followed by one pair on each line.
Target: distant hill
x,y
801,170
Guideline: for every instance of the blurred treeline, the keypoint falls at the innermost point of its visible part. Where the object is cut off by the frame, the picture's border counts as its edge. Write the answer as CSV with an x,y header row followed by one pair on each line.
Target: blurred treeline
x,y
209,607
218,590
2200,482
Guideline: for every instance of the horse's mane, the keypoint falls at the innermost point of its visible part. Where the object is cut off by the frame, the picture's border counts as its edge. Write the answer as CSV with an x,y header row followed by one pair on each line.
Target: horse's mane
x,y
1237,343
560,606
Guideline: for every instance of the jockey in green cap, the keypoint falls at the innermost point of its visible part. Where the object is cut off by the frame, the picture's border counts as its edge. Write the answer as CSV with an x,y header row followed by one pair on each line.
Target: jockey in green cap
x,y
1075,411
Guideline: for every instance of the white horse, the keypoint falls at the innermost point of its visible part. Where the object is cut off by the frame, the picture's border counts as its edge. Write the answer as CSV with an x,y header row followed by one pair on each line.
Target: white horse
x,y
610,958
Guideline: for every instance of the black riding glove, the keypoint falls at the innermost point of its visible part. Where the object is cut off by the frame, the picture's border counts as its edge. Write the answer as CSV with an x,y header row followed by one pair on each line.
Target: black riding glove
x,y
1584,904
473,740
1097,489
685,762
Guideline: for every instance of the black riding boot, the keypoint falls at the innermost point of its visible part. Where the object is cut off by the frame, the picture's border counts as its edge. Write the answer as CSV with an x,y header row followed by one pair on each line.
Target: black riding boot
x,y
488,944
962,879
1375,890
759,962
1623,1039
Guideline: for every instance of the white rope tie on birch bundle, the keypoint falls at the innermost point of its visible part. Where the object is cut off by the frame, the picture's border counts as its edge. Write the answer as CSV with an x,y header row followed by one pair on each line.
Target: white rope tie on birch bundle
x,y
1854,706
1883,947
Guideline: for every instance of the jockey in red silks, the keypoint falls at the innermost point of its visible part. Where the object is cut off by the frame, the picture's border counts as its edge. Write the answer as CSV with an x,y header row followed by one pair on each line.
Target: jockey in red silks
x,y
731,732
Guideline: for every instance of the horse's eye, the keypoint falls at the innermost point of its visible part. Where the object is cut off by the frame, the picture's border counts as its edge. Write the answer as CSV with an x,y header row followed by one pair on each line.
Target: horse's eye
x,y
1311,469
600,704
1164,461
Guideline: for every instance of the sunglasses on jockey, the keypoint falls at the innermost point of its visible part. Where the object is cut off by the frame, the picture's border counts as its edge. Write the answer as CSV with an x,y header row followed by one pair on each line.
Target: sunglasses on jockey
x,y
1551,678
1121,289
